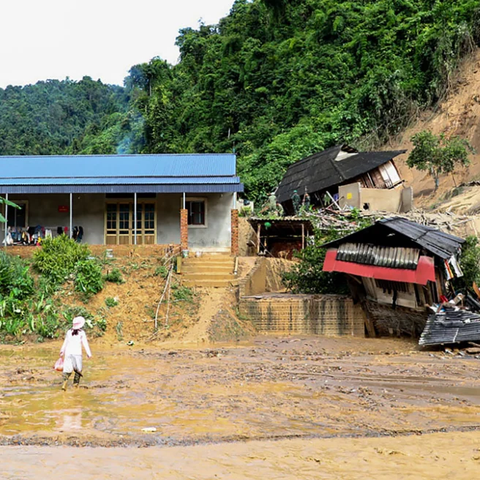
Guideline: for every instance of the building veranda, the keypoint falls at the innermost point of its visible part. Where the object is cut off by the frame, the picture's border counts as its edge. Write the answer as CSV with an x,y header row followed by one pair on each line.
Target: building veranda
x,y
185,199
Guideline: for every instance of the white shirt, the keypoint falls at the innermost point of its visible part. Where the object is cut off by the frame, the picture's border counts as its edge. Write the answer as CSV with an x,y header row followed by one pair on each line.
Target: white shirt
x,y
73,344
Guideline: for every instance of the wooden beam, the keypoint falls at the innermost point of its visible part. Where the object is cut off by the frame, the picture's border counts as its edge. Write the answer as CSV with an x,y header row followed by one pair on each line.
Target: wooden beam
x,y
333,200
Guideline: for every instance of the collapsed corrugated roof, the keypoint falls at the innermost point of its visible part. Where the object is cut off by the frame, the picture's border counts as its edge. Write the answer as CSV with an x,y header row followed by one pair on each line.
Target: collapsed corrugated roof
x,y
333,166
399,232
451,327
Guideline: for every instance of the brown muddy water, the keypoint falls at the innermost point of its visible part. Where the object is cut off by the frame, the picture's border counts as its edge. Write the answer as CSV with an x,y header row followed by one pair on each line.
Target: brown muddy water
x,y
274,408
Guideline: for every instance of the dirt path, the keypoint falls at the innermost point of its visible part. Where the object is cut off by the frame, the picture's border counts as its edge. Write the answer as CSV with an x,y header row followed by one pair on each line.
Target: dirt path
x,y
437,456
335,406
211,301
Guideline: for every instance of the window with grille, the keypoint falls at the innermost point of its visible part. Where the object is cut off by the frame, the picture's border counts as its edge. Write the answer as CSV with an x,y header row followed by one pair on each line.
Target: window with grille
x,y
196,212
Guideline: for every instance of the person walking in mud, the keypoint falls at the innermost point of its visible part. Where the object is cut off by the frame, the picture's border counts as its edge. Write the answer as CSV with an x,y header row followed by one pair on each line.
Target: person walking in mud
x,y
72,352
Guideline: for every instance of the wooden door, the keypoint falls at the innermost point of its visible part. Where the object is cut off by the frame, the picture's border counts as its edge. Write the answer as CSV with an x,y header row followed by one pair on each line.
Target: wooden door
x,y
119,223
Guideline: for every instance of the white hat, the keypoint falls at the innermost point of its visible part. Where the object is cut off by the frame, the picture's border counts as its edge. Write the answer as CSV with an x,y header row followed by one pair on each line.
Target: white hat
x,y
78,323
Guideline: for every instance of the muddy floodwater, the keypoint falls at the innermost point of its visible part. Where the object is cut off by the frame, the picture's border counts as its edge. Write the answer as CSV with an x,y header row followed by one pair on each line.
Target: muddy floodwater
x,y
277,407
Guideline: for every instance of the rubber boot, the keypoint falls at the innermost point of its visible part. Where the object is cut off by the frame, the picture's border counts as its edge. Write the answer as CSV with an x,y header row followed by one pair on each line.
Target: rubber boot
x,y
76,379
66,376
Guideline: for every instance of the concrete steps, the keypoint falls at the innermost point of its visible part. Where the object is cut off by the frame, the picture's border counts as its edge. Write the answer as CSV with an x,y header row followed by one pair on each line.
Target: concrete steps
x,y
211,271
210,283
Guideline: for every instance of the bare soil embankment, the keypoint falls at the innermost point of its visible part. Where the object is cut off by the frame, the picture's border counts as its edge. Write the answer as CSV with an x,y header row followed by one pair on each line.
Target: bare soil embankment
x,y
458,114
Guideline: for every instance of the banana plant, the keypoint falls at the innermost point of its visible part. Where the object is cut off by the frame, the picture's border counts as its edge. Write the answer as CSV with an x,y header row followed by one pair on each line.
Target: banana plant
x,y
4,201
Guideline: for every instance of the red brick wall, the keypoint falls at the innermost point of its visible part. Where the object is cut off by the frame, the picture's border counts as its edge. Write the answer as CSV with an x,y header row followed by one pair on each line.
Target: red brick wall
x,y
234,228
184,228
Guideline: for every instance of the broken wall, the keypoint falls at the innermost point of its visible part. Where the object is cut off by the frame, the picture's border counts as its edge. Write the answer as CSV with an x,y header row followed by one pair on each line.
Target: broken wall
x,y
376,199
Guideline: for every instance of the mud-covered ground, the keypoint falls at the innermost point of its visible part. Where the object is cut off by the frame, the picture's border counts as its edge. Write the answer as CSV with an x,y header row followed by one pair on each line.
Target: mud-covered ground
x,y
331,405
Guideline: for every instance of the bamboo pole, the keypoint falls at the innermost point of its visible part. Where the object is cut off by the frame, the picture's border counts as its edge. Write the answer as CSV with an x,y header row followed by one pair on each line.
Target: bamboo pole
x,y
259,226
168,302
161,298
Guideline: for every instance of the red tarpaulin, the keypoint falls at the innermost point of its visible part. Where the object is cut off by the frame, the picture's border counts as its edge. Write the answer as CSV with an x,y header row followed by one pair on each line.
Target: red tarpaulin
x,y
425,270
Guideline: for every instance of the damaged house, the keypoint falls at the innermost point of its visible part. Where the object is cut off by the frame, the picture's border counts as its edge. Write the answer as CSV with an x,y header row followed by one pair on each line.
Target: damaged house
x,y
364,180
397,269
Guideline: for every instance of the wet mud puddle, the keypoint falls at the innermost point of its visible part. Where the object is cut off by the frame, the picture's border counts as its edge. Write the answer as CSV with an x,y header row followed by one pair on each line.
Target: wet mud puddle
x,y
265,391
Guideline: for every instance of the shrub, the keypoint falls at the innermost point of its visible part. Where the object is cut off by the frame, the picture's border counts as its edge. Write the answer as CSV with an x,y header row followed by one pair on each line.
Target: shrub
x,y
182,293
111,302
161,271
470,261
308,275
48,325
96,324
245,212
114,276
69,313
88,277
15,277
58,258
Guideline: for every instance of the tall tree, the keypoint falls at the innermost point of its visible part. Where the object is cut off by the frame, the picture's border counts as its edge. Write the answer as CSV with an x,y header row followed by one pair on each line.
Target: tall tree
x,y
438,154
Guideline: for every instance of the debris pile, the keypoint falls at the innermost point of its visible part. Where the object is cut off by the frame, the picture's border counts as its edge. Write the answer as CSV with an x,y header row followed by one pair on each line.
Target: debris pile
x,y
348,221
451,327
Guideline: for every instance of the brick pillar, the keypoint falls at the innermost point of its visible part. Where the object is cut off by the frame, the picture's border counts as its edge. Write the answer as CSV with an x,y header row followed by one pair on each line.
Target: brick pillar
x,y
184,228
234,229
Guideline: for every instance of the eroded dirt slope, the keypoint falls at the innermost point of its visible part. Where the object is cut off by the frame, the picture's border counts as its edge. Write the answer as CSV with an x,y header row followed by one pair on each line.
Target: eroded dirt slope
x,y
458,114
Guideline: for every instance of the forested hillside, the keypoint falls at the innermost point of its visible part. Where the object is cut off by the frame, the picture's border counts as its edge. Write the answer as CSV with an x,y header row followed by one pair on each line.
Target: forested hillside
x,y
274,81
279,79
57,117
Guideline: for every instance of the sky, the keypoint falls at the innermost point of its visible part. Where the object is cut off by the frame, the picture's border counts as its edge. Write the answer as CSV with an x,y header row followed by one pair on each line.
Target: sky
x,y
103,39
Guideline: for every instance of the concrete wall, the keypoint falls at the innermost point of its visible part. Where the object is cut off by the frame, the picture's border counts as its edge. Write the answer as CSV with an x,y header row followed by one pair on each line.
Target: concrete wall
x,y
89,212
256,280
377,199
217,234
266,276
328,315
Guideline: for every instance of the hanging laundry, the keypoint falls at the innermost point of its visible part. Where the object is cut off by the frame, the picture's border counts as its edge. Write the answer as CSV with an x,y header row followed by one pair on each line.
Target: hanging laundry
x,y
448,270
456,267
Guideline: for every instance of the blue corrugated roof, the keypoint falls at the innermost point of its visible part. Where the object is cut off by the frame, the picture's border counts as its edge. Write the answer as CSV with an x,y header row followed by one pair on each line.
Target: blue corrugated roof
x,y
117,173
120,181
156,165
116,188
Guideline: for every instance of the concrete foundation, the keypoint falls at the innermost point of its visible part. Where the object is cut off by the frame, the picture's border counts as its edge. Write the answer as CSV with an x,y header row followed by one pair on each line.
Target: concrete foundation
x,y
329,315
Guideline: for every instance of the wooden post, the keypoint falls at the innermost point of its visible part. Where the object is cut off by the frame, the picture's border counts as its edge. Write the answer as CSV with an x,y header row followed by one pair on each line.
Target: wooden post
x,y
135,218
303,236
259,226
6,222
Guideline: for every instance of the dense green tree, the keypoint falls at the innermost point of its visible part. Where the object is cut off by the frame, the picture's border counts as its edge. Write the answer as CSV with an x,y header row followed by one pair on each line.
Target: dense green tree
x,y
438,154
